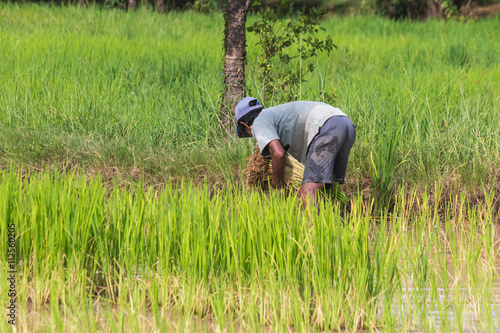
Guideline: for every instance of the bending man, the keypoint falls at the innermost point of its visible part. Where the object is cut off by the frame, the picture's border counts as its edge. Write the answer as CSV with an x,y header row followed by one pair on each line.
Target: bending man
x,y
318,135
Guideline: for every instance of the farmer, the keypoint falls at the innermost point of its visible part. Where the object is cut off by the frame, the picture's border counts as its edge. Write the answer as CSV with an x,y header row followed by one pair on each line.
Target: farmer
x,y
318,135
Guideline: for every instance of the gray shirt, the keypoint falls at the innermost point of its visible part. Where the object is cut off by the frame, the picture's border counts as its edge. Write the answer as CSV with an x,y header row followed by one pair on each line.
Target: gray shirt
x,y
295,124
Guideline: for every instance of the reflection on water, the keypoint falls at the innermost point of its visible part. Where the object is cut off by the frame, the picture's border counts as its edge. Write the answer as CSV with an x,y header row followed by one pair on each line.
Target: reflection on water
x,y
465,304
453,311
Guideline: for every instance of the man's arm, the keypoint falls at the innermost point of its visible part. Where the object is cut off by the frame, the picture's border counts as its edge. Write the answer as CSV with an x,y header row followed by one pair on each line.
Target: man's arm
x,y
278,158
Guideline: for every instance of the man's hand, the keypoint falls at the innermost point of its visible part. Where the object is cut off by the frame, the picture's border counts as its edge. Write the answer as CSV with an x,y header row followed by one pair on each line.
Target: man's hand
x,y
278,158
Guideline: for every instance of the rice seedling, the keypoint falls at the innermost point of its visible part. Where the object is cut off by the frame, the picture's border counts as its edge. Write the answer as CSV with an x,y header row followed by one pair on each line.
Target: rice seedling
x,y
183,257
259,172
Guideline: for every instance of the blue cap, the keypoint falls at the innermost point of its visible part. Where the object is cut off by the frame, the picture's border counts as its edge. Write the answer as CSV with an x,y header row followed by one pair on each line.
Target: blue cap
x,y
246,105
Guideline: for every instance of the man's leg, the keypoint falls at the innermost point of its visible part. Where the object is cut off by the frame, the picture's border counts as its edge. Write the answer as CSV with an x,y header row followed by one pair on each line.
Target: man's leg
x,y
342,157
309,192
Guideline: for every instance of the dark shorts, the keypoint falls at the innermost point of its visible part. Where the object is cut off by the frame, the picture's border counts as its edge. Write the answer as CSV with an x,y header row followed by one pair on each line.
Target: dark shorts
x,y
328,152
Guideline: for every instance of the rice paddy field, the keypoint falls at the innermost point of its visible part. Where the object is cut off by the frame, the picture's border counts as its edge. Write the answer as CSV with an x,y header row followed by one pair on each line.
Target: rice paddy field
x,y
125,201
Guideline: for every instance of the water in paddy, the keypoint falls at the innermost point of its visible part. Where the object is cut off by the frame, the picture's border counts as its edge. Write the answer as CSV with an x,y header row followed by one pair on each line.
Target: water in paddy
x,y
447,310
467,303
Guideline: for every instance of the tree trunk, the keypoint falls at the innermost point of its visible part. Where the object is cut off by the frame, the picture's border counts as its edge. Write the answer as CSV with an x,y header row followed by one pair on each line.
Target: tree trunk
x,y
160,5
432,9
132,4
235,16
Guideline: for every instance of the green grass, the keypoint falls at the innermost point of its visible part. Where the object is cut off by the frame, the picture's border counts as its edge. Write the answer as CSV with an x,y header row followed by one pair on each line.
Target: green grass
x,y
118,90
182,257
90,93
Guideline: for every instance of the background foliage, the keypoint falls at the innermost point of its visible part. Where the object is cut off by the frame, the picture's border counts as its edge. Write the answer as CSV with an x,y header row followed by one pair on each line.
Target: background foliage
x,y
410,9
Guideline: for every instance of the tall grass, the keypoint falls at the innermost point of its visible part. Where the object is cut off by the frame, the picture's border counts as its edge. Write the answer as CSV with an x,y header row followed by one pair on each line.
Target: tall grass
x,y
183,257
114,89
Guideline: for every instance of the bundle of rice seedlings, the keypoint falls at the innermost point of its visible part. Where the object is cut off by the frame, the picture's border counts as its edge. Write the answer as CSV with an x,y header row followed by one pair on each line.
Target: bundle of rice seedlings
x,y
259,172
294,172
